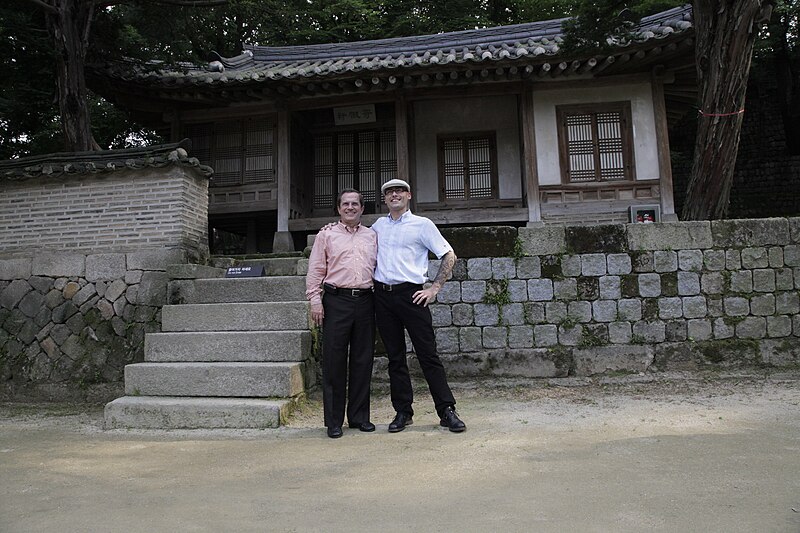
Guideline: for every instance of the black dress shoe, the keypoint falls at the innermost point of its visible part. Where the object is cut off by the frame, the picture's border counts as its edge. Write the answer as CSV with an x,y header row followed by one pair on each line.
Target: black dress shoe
x,y
451,421
335,432
366,427
401,420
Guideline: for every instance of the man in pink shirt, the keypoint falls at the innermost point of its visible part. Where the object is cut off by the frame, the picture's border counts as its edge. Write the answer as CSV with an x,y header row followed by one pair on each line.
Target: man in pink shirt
x,y
339,287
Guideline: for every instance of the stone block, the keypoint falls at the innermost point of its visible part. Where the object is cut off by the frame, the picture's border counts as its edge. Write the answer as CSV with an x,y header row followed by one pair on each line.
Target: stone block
x,y
105,267
83,295
629,309
494,337
675,330
669,308
762,305
155,259
650,331
462,314
520,337
487,241
619,264
512,314
619,332
723,328
534,312
450,293
571,265
752,327
670,236
694,306
690,260
642,261
714,259
604,310
447,340
764,280
749,232
503,268
580,311
736,306
593,265
529,267
71,288
784,279
543,240
755,258
714,304
742,281
441,315
711,283
486,315
610,287
787,303
791,255
649,285
596,238
775,257
545,335
470,339
794,228
518,290
116,289
700,330
604,359
153,289
58,264
540,289
13,293
779,326
479,268
565,289
555,312
53,299
133,277
688,283
15,268
473,291
570,336
733,260
665,261
31,303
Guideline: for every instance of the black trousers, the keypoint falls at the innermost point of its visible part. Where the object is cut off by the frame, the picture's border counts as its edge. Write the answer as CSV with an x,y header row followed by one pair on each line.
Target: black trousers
x,y
348,336
395,311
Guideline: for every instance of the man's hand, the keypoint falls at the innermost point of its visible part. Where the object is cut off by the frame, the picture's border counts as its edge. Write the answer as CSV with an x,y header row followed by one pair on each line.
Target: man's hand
x,y
425,296
317,314
328,226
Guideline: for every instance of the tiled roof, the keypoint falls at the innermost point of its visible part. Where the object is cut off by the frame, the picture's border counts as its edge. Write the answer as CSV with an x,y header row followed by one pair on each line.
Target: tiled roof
x,y
75,163
538,42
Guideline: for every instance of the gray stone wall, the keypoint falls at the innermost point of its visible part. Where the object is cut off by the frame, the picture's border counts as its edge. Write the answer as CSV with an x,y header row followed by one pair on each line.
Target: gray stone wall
x,y
121,211
627,298
70,322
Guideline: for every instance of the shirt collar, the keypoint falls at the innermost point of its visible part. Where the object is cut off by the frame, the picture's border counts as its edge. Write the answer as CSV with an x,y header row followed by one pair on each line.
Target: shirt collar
x,y
402,217
347,228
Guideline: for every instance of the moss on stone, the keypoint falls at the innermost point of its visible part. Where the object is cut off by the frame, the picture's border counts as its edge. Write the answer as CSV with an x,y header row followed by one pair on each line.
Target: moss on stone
x,y
551,267
669,284
482,241
596,239
629,285
588,288
650,309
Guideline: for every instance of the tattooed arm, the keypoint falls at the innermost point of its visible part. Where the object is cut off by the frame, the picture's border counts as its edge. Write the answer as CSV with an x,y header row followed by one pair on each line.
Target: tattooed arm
x,y
426,296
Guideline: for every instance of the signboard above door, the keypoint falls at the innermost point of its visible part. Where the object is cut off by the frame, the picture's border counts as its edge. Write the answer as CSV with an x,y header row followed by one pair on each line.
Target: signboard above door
x,y
356,114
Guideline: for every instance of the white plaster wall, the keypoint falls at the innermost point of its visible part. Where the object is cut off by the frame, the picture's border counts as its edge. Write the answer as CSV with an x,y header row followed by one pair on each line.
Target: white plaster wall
x,y
487,113
640,96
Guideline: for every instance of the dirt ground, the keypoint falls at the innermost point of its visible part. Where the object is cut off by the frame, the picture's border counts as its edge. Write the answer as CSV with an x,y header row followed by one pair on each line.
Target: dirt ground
x,y
699,452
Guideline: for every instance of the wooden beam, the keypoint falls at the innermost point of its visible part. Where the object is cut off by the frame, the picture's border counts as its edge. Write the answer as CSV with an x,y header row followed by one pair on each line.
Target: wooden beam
x,y
401,138
662,143
530,170
284,181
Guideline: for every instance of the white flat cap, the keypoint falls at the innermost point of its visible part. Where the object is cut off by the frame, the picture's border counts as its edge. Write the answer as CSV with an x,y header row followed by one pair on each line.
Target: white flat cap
x,y
394,183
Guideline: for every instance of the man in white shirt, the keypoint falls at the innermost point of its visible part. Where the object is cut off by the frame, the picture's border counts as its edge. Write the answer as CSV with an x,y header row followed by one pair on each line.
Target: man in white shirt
x,y
401,303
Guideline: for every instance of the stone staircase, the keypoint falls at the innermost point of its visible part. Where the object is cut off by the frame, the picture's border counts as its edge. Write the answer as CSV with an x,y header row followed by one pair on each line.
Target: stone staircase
x,y
233,352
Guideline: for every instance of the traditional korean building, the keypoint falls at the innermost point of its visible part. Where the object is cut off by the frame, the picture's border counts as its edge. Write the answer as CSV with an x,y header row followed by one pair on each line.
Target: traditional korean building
x,y
490,126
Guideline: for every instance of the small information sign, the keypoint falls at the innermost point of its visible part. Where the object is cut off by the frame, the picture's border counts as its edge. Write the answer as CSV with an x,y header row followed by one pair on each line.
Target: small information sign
x,y
357,114
245,272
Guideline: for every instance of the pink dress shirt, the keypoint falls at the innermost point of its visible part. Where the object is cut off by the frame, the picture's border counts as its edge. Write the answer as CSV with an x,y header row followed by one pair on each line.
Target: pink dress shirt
x,y
341,257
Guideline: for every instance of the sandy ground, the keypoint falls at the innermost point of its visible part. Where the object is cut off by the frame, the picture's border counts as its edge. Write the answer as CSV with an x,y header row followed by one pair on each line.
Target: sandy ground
x,y
670,453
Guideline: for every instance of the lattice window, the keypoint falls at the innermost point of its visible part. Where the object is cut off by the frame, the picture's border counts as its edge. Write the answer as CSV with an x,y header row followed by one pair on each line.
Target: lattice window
x,y
595,143
239,151
468,166
360,160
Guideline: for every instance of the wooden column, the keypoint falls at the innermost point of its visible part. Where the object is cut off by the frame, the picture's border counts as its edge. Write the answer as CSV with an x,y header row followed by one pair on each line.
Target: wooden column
x,y
530,171
282,242
662,143
401,137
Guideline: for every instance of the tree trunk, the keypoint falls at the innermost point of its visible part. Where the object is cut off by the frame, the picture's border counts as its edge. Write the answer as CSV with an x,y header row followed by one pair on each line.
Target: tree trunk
x,y
726,31
69,27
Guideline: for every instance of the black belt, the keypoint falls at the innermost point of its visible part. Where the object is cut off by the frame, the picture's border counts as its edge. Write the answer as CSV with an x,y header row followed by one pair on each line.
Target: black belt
x,y
330,289
398,287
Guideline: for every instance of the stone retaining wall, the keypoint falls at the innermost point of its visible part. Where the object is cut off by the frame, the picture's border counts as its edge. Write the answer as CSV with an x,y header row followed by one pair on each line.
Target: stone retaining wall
x,y
625,298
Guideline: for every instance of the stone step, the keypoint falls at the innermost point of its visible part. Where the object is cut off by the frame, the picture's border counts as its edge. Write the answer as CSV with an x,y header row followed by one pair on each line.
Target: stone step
x,y
274,266
264,316
165,412
258,380
232,290
263,346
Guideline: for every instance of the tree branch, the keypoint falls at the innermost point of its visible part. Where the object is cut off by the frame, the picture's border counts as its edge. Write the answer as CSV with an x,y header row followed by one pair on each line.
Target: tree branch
x,y
190,3
47,7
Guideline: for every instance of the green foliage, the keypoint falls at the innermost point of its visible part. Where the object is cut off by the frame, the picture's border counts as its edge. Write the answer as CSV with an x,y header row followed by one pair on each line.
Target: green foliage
x,y
497,292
